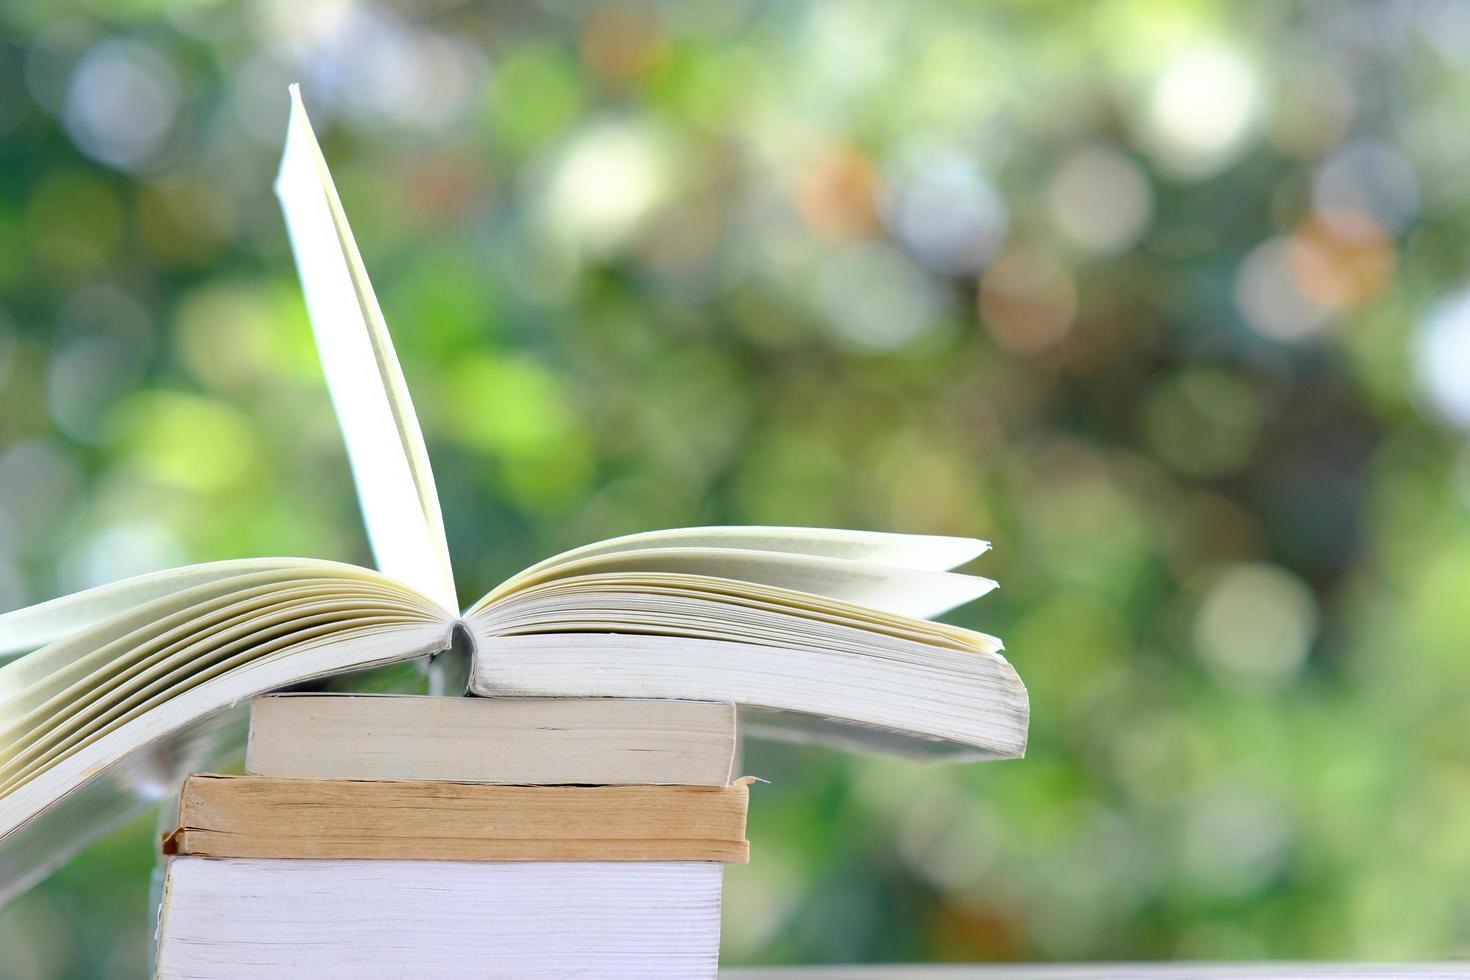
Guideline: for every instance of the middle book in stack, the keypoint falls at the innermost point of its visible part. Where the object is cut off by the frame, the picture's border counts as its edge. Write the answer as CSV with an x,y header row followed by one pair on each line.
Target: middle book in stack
x,y
386,835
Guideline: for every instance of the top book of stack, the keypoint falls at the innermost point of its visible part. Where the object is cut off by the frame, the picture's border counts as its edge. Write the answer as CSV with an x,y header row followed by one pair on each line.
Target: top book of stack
x,y
814,633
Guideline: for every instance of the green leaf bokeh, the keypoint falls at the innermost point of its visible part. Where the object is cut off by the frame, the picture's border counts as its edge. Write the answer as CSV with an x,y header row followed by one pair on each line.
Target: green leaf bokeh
x,y
1167,299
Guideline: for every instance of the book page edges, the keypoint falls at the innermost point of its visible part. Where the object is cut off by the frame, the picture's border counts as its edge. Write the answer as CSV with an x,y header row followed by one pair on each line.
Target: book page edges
x,y
535,741
990,722
265,817
205,843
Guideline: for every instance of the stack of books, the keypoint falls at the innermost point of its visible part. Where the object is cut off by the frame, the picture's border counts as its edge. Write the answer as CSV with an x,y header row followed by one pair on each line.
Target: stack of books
x,y
559,823
448,837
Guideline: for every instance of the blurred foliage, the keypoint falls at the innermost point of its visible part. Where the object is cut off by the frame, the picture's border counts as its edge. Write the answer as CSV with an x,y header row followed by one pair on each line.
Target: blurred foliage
x,y
1166,297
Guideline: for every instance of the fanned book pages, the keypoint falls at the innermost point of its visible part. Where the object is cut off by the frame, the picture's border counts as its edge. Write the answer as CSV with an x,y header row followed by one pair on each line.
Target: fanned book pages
x,y
814,633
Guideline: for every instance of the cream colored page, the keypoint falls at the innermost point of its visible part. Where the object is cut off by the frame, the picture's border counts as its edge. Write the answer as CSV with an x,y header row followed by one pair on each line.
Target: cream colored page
x,y
904,591
194,646
390,465
321,657
35,626
61,630
921,551
565,606
188,666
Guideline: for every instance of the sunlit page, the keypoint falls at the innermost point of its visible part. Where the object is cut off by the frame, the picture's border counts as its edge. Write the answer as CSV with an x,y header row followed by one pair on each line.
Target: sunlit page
x,y
389,463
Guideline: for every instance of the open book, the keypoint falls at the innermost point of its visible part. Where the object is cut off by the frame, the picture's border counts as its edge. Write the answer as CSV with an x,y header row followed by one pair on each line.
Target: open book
x,y
819,632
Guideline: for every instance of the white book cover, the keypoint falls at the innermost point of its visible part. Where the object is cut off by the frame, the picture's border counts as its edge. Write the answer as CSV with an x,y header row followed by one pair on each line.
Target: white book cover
x,y
386,920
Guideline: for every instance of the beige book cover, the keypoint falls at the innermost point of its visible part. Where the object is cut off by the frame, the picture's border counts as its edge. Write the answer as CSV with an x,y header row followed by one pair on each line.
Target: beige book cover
x,y
492,740
265,817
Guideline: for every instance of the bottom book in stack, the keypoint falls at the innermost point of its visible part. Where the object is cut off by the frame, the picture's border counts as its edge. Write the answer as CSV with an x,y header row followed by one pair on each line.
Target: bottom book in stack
x,y
352,918
604,858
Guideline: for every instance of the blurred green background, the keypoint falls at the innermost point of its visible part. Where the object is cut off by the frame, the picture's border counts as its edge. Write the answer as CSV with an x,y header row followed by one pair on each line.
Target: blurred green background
x,y
1167,299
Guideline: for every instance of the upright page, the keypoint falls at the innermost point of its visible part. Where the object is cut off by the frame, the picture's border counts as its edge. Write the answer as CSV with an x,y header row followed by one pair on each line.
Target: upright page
x,y
389,462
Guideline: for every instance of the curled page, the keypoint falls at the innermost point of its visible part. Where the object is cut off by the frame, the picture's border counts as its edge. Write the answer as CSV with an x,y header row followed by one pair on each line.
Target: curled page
x,y
23,630
389,462
924,551
915,592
